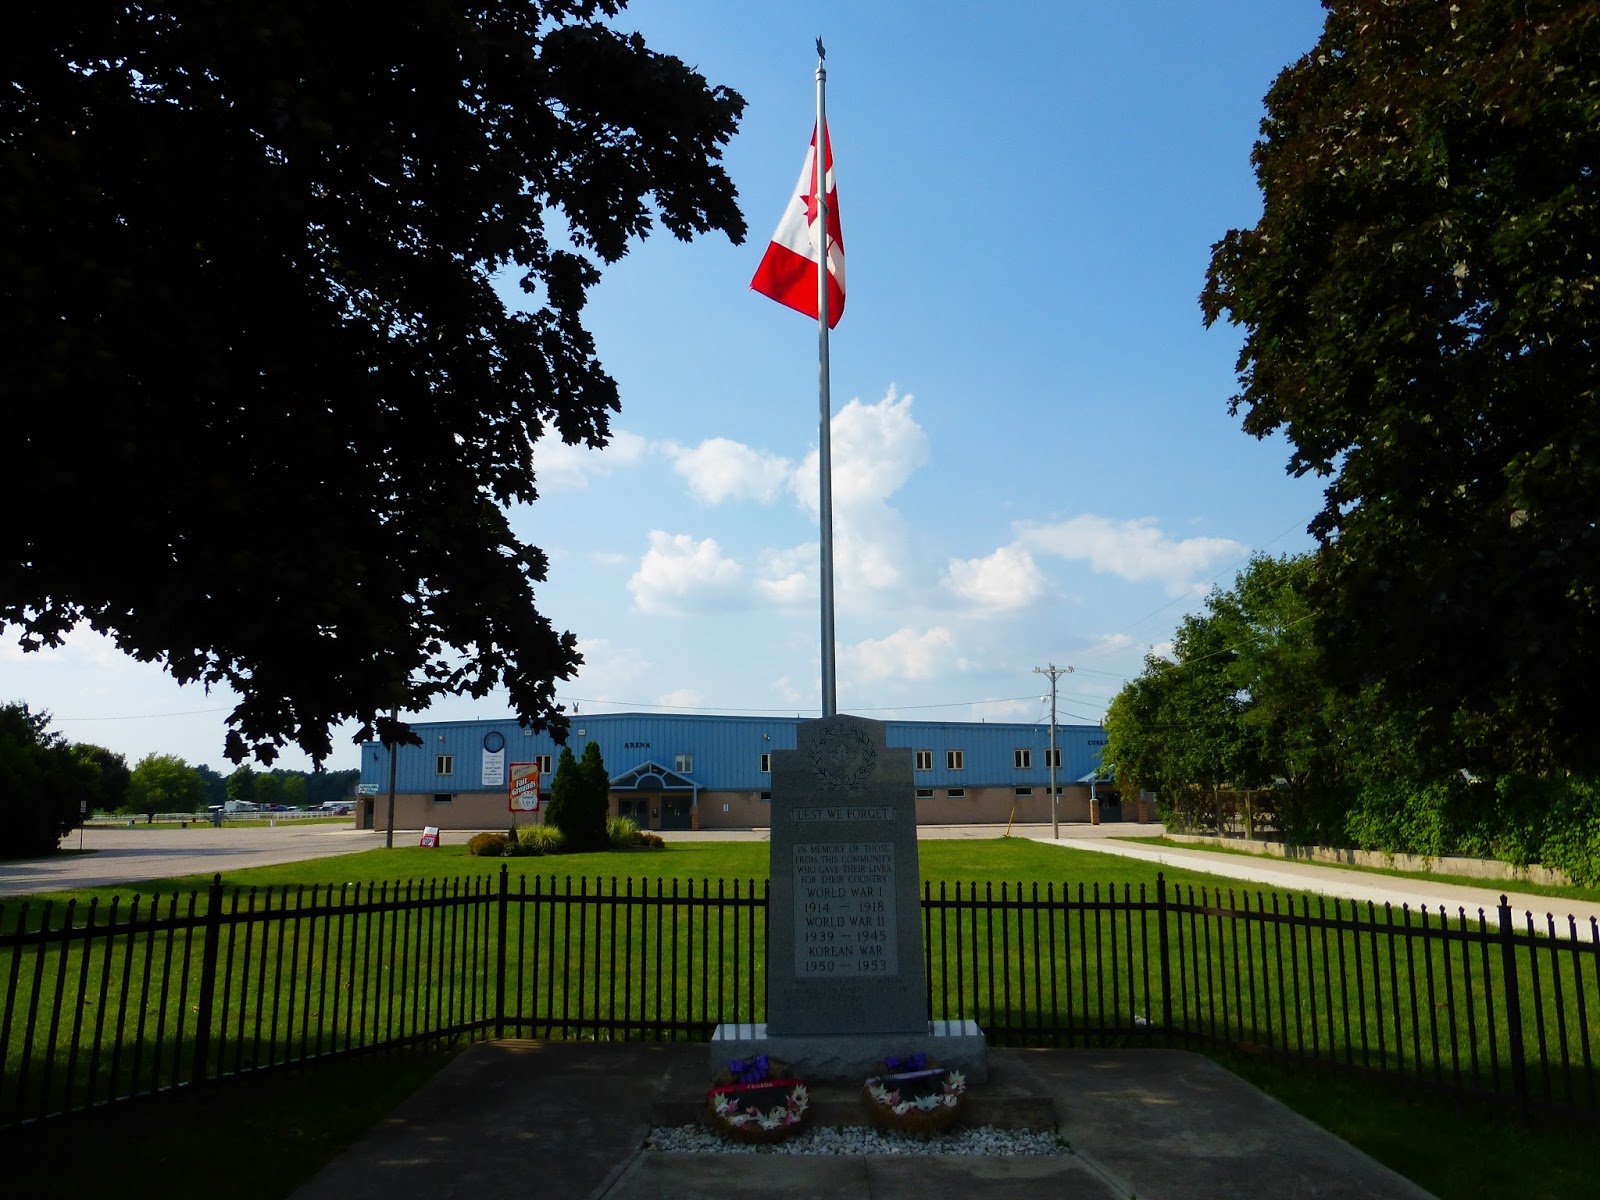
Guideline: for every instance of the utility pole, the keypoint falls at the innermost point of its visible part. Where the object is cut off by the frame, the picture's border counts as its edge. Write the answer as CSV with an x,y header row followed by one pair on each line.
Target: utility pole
x,y
394,719
1055,673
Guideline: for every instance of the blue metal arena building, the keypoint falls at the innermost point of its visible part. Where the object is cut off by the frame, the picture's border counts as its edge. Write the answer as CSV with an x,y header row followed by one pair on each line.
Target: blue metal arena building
x,y
692,771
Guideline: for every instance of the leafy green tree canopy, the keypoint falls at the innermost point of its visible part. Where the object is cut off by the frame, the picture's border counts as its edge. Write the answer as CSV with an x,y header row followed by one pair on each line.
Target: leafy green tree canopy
x,y
249,253
1245,700
165,783
242,784
44,783
1421,313
111,788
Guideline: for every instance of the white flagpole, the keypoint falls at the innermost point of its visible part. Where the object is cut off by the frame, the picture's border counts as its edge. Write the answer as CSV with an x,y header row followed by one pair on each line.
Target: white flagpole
x,y
830,701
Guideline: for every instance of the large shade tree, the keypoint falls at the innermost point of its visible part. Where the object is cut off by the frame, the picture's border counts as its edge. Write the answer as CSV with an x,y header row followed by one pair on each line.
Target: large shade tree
x,y
1245,699
45,784
164,783
1421,301
255,356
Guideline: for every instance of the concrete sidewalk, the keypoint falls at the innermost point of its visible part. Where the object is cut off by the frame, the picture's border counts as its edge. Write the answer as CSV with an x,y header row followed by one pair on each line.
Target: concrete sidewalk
x,y
568,1120
1355,885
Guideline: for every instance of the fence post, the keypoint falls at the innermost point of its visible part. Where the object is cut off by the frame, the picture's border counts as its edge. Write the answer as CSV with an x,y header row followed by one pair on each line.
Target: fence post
x,y
1513,1009
500,955
1166,965
208,982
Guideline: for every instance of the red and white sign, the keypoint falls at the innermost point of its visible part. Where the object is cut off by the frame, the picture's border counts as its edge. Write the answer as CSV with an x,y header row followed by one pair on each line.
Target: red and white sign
x,y
522,792
788,272
430,836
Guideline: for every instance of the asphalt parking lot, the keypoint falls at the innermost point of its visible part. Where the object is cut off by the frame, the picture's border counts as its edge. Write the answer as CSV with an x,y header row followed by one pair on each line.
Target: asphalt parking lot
x,y
125,854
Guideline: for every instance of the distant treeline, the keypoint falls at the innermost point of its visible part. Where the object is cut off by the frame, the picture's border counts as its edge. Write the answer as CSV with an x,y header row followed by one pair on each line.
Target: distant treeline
x,y
48,784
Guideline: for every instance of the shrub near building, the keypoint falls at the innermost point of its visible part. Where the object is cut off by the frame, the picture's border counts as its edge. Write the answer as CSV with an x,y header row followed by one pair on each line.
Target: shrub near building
x,y
589,830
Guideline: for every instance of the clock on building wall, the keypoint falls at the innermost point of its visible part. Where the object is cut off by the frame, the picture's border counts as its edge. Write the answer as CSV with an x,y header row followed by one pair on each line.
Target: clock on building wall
x,y
494,741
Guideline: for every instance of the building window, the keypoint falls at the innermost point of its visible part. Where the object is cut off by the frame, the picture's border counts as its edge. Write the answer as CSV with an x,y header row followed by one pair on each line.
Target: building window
x,y
1022,758
1052,758
1058,790
444,764
766,795
683,763
956,793
1022,791
955,760
766,764
924,760
925,793
542,761
442,797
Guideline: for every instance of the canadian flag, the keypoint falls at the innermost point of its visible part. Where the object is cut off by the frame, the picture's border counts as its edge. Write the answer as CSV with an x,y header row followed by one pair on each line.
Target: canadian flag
x,y
788,272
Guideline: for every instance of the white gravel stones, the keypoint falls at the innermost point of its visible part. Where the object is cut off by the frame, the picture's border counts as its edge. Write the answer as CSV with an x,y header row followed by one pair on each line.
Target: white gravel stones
x,y
856,1139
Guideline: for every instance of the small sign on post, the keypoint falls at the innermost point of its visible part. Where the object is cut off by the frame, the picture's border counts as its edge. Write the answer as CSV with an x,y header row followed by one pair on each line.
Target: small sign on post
x,y
522,792
430,836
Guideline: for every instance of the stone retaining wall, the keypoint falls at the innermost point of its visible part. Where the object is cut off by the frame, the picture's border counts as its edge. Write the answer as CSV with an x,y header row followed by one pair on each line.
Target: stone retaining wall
x,y
1477,868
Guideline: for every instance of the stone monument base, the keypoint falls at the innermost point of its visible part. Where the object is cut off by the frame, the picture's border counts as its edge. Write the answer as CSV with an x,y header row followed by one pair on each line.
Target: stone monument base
x,y
852,1057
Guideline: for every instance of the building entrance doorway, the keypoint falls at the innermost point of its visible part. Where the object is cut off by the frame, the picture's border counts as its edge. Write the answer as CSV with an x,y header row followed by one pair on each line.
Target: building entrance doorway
x,y
676,812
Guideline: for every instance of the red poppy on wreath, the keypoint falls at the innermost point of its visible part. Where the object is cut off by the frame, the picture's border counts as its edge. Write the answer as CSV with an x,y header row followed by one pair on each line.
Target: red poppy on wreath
x,y
753,1101
913,1096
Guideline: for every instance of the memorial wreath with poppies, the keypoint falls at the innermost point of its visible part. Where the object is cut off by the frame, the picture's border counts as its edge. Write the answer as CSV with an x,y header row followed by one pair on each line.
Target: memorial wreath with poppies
x,y
756,1100
914,1095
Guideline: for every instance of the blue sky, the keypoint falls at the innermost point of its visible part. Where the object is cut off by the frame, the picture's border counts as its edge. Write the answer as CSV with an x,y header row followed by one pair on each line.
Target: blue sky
x,y
1033,458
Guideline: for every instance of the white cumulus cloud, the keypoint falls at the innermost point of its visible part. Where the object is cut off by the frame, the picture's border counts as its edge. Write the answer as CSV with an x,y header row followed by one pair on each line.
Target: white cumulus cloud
x,y
560,467
1109,643
875,448
608,671
679,575
788,578
1006,580
720,469
1136,550
905,655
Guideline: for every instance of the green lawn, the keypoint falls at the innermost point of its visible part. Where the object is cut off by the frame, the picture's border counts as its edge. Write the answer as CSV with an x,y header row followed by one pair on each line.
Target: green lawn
x,y
1555,891
989,862
1455,1151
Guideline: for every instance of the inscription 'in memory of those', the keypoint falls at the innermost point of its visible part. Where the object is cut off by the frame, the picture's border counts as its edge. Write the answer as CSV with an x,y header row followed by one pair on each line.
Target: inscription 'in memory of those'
x,y
844,915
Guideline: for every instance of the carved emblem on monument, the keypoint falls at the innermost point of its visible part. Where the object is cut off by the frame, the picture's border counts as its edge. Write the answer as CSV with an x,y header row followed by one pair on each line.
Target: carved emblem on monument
x,y
843,757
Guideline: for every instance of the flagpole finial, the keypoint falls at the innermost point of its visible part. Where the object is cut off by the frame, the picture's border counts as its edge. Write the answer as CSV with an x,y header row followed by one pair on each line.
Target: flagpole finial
x,y
821,53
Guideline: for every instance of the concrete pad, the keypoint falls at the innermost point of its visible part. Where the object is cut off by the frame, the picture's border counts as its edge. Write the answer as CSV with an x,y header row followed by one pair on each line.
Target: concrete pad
x,y
568,1119
1176,1126
513,1119
670,1176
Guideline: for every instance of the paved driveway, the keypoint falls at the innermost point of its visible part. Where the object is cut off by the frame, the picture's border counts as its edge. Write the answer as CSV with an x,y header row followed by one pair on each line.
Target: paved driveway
x,y
130,855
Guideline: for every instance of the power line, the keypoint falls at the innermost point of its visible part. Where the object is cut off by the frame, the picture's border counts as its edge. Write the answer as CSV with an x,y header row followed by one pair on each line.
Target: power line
x,y
193,712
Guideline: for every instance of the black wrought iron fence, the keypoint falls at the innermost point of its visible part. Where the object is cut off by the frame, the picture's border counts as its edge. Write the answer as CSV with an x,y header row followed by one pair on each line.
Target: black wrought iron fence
x,y
103,1002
